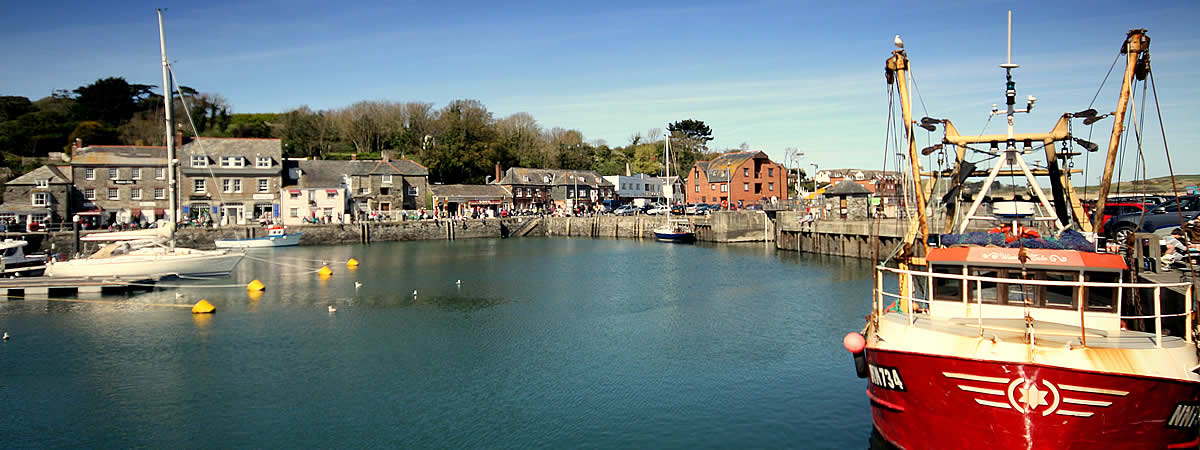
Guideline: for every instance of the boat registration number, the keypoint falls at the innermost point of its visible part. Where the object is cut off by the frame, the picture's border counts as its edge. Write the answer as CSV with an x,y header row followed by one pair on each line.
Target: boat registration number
x,y
886,377
1185,415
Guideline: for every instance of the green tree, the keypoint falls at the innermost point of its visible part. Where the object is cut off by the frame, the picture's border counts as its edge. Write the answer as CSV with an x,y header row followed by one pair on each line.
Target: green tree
x,y
467,149
12,107
689,143
110,100
91,132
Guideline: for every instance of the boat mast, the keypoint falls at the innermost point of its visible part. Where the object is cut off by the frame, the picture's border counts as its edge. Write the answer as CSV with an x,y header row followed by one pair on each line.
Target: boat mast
x,y
897,67
1136,42
169,125
667,161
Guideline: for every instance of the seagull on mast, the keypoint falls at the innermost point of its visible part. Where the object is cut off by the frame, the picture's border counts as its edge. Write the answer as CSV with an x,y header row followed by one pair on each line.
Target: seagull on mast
x,y
899,42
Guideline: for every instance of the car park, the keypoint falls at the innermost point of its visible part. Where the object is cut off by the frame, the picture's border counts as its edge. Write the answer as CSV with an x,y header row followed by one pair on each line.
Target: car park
x,y
1116,209
1160,219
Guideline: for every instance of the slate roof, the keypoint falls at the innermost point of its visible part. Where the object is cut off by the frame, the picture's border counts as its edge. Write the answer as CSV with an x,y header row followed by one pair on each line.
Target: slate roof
x,y
551,177
725,163
469,191
52,173
328,173
847,187
120,155
234,146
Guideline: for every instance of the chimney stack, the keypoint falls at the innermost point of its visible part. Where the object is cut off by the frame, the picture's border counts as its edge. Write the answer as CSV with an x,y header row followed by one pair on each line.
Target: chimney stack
x,y
77,145
497,172
178,135
354,156
386,155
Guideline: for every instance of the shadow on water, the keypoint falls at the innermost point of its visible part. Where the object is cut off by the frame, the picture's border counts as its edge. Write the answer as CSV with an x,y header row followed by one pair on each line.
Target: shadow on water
x,y
877,442
459,303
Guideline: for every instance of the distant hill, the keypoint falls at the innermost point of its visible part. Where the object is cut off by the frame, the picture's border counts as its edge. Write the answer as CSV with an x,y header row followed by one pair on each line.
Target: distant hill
x,y
1160,185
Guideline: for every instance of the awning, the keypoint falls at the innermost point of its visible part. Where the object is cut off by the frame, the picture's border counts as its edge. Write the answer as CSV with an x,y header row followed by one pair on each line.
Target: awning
x,y
294,191
94,212
331,191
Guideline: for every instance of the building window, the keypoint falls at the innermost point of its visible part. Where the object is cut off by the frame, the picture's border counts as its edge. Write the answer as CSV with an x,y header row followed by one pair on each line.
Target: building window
x,y
725,188
364,190
294,194
89,193
746,187
294,212
41,199
231,184
160,173
770,186
199,161
263,184
114,174
697,186
770,171
712,187
237,185
89,173
518,190
329,193
412,191
745,171
198,185
160,193
135,194
43,183
387,179
262,162
233,161
114,194
135,173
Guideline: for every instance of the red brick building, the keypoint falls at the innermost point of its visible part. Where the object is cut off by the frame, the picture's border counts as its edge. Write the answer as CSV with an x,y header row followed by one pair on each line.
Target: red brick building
x,y
737,179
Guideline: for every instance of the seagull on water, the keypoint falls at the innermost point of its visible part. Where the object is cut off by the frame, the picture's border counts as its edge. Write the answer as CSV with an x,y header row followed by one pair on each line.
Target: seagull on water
x,y
332,309
357,284
414,293
6,335
178,296
459,282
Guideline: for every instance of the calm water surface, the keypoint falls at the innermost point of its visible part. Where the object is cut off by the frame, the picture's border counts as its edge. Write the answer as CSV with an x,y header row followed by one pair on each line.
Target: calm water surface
x,y
547,343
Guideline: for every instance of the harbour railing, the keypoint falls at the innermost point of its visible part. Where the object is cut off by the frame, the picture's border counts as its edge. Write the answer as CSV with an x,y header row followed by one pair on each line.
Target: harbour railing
x,y
885,302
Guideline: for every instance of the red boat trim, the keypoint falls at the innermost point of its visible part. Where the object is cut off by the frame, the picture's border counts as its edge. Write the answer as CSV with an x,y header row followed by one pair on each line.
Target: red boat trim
x,y
884,403
1190,444
1036,364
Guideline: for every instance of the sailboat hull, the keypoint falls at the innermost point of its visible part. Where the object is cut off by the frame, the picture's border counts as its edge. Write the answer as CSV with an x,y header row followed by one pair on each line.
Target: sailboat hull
x,y
196,263
935,401
285,240
675,236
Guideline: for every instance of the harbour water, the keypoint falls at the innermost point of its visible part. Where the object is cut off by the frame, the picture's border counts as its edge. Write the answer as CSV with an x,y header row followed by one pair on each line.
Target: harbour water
x,y
546,343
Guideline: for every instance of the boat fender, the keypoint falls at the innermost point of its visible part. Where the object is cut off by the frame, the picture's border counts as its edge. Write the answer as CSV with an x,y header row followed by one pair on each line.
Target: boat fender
x,y
856,345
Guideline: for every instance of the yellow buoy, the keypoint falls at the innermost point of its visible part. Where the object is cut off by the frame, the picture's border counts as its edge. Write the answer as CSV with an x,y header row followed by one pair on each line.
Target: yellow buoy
x,y
254,295
324,272
352,263
255,286
204,307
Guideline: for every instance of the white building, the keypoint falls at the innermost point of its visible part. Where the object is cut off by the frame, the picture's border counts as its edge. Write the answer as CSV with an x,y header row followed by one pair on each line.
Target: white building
x,y
638,189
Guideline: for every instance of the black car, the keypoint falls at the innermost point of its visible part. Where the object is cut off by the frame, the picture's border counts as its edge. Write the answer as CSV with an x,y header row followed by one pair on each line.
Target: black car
x,y
1159,219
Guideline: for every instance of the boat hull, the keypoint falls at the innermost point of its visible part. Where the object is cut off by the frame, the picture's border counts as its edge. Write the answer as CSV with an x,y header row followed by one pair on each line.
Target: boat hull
x,y
675,237
935,401
286,240
194,263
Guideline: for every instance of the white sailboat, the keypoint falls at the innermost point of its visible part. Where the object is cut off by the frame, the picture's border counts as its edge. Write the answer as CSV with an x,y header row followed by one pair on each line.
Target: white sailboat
x,y
672,231
150,252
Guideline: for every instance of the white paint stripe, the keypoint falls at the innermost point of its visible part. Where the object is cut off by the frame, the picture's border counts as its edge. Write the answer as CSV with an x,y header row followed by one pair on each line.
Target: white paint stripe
x,y
1073,413
991,403
1068,387
1077,401
981,390
964,376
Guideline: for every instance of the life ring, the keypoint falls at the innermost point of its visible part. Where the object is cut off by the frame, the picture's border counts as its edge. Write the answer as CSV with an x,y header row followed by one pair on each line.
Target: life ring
x,y
1024,233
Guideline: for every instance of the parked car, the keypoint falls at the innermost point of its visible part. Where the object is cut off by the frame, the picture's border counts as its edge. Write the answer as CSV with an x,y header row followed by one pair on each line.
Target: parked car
x,y
1159,219
677,209
626,210
1116,209
657,209
1145,199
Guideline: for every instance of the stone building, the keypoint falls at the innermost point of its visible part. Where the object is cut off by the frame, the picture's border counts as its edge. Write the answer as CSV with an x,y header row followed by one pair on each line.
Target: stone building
x,y
119,184
737,179
371,187
559,189
230,180
40,196
469,200
847,200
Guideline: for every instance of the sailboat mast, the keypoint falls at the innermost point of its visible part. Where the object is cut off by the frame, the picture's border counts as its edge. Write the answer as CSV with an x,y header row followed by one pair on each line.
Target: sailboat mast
x,y
667,179
169,125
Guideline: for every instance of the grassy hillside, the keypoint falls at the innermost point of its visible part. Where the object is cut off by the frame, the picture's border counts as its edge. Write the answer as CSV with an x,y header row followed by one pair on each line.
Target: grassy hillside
x,y
1160,185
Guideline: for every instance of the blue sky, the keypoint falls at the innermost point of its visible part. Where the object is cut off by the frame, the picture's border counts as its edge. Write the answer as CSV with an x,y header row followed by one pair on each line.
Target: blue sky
x,y
770,74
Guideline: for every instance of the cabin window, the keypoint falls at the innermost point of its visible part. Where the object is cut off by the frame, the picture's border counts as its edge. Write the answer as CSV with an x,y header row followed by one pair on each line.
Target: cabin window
x,y
1017,293
1060,296
1102,298
986,291
947,288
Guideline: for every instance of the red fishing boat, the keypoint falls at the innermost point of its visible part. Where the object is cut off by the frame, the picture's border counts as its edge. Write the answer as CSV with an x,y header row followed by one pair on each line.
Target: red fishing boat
x,y
1011,326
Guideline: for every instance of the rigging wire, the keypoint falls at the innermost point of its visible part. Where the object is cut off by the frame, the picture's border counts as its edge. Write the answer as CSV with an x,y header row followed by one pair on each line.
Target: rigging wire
x,y
1170,169
188,111
1103,82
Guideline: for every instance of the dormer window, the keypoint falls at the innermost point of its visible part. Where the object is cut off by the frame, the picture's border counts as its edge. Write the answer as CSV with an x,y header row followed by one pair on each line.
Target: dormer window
x,y
43,183
262,162
233,161
199,161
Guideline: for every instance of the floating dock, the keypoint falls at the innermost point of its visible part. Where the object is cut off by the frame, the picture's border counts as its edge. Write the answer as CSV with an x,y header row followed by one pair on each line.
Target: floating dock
x,y
73,285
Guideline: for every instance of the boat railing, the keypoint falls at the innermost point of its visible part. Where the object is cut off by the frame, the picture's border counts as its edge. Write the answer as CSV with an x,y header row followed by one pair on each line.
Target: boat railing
x,y
884,301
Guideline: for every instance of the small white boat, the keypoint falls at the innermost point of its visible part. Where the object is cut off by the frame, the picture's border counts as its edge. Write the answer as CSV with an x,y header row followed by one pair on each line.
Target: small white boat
x,y
15,263
137,258
276,237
